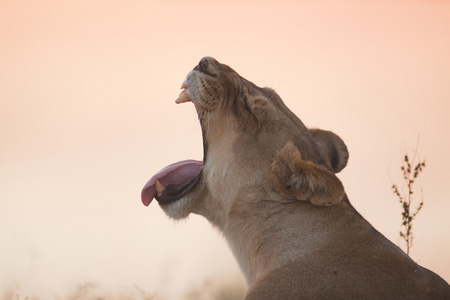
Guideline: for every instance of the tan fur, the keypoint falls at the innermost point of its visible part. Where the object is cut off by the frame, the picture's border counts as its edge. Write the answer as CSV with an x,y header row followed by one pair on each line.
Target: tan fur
x,y
303,180
268,184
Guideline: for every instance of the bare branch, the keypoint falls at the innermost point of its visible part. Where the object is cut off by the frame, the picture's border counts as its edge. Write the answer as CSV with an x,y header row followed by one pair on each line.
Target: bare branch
x,y
410,175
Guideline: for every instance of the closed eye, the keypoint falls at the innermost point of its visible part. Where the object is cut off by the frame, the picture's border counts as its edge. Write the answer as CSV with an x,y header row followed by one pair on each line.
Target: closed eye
x,y
246,105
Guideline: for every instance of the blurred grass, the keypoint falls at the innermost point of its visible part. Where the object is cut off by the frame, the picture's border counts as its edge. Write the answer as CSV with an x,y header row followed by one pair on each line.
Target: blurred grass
x,y
225,289
232,289
85,291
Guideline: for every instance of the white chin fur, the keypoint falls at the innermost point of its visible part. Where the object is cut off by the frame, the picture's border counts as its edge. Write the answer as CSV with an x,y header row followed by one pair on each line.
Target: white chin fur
x,y
177,210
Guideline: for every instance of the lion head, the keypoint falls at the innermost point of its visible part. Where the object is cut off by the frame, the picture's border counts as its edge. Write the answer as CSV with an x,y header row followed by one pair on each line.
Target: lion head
x,y
253,144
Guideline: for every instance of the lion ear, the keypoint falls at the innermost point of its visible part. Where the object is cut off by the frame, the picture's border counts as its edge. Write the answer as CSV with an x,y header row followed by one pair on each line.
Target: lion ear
x,y
332,148
303,180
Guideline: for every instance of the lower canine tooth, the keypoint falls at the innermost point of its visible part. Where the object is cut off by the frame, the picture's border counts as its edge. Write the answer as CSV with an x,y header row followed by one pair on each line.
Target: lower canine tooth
x,y
159,187
184,97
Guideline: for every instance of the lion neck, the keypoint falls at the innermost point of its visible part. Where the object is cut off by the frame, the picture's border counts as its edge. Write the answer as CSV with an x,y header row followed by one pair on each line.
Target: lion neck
x,y
259,231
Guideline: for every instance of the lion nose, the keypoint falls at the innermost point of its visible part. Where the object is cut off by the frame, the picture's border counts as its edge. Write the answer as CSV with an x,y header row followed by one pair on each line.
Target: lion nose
x,y
202,65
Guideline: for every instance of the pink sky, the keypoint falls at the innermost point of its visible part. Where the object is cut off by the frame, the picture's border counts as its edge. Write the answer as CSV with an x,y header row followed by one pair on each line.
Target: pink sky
x,y
87,115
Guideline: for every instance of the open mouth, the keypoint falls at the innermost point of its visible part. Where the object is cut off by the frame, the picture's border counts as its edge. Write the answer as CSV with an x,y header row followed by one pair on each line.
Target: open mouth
x,y
178,179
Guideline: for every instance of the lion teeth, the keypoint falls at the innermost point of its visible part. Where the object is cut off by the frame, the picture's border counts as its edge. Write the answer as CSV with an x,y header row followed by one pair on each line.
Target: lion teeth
x,y
159,187
183,97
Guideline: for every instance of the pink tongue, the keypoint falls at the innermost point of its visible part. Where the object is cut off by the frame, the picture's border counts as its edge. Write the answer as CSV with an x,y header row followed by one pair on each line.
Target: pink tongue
x,y
175,173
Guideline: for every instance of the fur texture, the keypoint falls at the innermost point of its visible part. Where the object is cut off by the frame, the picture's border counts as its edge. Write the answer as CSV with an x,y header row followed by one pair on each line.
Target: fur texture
x,y
269,184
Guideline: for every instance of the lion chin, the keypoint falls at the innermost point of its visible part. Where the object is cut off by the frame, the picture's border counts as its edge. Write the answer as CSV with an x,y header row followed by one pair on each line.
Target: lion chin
x,y
268,183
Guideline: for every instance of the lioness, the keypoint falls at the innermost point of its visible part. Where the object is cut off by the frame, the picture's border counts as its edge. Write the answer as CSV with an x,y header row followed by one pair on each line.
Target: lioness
x,y
268,183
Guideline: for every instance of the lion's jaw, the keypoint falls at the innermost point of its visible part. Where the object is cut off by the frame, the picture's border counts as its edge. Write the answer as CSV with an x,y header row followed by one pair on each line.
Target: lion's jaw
x,y
227,111
221,173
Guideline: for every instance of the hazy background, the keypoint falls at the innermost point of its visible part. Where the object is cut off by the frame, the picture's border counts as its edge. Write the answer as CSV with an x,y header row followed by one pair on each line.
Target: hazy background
x,y
87,116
